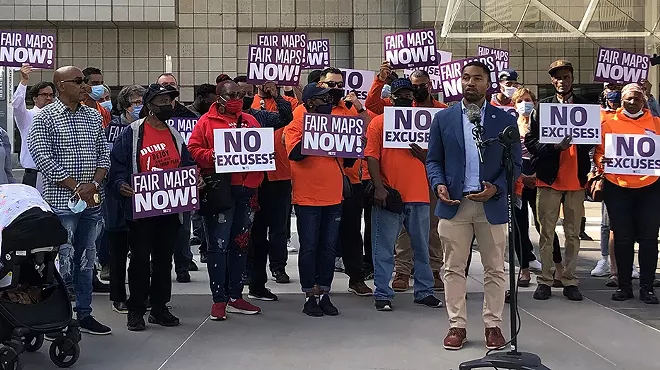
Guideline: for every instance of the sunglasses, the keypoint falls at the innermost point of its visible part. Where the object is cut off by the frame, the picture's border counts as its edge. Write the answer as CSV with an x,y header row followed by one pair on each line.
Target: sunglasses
x,y
332,84
77,80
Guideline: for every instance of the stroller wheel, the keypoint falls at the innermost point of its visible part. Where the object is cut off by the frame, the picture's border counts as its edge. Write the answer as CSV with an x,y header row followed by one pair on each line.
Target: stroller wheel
x,y
64,352
33,342
8,359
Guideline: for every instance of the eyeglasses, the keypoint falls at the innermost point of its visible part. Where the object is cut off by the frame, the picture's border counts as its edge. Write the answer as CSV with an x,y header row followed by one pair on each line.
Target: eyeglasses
x,y
332,84
47,95
77,80
233,95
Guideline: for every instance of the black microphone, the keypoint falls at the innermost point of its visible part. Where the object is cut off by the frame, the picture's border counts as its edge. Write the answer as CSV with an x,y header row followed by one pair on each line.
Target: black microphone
x,y
473,113
509,135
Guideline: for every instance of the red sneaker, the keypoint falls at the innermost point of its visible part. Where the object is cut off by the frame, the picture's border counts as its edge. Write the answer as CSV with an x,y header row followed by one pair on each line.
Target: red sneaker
x,y
242,306
219,311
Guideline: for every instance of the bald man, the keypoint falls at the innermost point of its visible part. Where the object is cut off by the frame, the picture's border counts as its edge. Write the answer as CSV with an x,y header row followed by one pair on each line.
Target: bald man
x,y
69,148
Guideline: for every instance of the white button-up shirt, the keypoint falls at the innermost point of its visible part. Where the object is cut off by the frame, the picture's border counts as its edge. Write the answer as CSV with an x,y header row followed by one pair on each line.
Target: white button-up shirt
x,y
23,118
472,164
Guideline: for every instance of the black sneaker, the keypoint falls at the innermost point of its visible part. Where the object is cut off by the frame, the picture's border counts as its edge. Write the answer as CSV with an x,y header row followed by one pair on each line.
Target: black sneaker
x,y
195,241
311,307
429,301
656,283
585,236
163,318
183,277
192,266
203,258
572,293
120,307
89,325
542,292
647,295
246,279
612,282
99,287
262,294
135,322
623,294
281,277
327,307
383,305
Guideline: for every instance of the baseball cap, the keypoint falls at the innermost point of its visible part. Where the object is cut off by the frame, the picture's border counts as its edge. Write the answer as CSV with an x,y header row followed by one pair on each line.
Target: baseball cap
x,y
155,90
313,90
507,75
401,83
559,64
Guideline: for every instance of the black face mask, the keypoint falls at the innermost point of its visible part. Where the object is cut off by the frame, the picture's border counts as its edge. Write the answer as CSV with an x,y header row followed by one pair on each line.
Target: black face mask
x,y
162,112
247,102
421,94
204,107
402,102
336,95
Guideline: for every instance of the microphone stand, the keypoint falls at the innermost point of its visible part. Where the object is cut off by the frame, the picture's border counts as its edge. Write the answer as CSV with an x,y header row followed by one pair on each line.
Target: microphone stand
x,y
513,359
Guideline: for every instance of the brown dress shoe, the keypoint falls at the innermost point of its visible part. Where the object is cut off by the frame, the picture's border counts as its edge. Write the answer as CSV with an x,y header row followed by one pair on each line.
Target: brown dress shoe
x,y
438,286
494,338
401,283
455,339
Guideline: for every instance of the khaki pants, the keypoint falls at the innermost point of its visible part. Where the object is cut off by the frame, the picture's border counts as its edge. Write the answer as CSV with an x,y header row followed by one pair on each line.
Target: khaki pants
x,y
403,261
548,202
456,236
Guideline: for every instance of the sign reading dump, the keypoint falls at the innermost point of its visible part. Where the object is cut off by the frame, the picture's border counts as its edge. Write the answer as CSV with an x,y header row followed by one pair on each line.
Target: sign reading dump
x,y
632,154
276,64
185,126
159,193
36,49
404,126
581,121
332,136
411,49
358,81
244,149
450,74
620,66
501,56
318,54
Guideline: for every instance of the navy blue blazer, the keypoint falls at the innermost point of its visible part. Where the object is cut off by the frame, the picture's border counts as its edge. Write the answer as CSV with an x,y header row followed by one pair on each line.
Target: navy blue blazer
x,y
445,161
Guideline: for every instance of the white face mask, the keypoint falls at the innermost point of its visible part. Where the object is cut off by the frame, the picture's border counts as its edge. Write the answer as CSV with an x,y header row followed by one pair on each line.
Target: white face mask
x,y
525,108
509,91
633,115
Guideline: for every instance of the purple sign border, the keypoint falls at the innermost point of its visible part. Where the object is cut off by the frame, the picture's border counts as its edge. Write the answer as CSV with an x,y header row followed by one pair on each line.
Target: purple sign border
x,y
339,154
296,79
431,62
611,80
317,66
44,65
192,206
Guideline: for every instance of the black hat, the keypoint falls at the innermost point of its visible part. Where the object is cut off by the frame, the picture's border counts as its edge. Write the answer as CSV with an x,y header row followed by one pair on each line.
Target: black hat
x,y
401,83
313,90
155,90
507,75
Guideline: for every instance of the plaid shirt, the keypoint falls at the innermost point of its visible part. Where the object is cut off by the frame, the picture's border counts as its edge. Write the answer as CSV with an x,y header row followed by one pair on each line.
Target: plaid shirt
x,y
67,144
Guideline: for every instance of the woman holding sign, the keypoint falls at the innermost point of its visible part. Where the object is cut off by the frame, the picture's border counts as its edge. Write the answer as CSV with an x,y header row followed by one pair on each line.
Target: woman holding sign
x,y
631,190
149,144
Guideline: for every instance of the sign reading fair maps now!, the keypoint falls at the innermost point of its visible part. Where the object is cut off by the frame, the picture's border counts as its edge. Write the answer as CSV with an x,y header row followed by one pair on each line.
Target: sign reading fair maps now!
x,y
632,154
403,126
450,74
36,49
581,121
159,193
332,136
244,149
619,66
185,126
280,65
411,49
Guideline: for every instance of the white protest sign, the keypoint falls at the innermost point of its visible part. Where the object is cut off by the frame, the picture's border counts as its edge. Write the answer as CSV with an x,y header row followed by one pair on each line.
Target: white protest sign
x,y
403,126
358,81
632,154
244,149
581,121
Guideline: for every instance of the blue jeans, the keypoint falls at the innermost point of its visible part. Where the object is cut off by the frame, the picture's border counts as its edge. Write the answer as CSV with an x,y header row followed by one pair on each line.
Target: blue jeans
x,y
318,234
102,243
228,237
604,231
385,228
78,255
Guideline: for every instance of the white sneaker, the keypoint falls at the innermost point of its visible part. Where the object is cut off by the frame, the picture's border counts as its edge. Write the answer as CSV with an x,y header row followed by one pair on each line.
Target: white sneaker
x,y
602,268
535,266
635,272
339,264
290,247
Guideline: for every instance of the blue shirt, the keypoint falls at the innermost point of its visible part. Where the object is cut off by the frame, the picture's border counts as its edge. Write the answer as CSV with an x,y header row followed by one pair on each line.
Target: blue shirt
x,y
654,107
472,164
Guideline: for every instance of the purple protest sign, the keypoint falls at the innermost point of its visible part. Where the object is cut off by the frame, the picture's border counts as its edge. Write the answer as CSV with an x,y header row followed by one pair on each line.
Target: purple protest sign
x,y
159,193
450,74
276,64
184,126
332,136
501,56
411,49
318,54
619,66
434,75
36,49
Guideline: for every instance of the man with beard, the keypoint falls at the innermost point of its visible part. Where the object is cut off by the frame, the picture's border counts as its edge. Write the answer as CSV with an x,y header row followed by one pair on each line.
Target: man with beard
x,y
472,194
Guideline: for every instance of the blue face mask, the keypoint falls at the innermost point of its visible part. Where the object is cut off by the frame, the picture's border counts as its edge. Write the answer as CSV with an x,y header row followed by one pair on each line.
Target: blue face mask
x,y
107,105
76,204
386,92
97,92
324,109
135,113
614,96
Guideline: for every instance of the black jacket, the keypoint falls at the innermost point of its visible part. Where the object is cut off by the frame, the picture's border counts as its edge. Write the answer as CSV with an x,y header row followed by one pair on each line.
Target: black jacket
x,y
545,158
181,111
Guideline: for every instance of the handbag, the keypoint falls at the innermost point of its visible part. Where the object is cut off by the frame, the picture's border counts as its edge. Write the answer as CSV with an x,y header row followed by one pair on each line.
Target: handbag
x,y
393,202
347,188
216,196
595,183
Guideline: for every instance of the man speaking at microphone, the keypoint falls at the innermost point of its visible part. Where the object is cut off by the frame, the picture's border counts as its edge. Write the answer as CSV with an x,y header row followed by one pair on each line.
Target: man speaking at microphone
x,y
470,183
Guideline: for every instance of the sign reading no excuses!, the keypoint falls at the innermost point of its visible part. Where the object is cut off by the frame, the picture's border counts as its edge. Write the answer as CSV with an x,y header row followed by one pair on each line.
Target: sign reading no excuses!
x,y
244,149
276,64
166,192
581,121
36,49
357,81
411,49
620,66
632,154
404,126
332,136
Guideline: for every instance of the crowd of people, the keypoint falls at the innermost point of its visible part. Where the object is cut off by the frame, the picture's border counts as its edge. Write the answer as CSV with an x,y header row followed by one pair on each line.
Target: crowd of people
x,y
422,208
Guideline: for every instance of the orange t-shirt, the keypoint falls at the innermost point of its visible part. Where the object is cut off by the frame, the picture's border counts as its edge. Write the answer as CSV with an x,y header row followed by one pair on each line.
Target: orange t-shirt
x,y
621,124
282,169
105,115
567,179
398,168
377,105
158,150
606,115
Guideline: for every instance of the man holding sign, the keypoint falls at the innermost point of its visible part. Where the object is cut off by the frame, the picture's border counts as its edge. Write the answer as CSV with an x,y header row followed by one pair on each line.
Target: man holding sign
x,y
630,158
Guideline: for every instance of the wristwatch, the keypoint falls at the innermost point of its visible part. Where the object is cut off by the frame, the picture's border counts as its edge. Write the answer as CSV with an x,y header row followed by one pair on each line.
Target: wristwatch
x,y
361,110
96,184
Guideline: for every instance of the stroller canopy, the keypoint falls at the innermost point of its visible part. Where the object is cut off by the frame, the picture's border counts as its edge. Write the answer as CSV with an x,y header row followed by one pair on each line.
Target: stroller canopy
x,y
16,199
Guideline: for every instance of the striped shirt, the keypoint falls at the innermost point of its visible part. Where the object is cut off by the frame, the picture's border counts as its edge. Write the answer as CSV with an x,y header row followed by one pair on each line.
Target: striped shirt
x,y
67,144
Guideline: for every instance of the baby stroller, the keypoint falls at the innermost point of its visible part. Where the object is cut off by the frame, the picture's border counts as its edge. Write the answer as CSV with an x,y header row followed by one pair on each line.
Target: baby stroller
x,y
33,296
